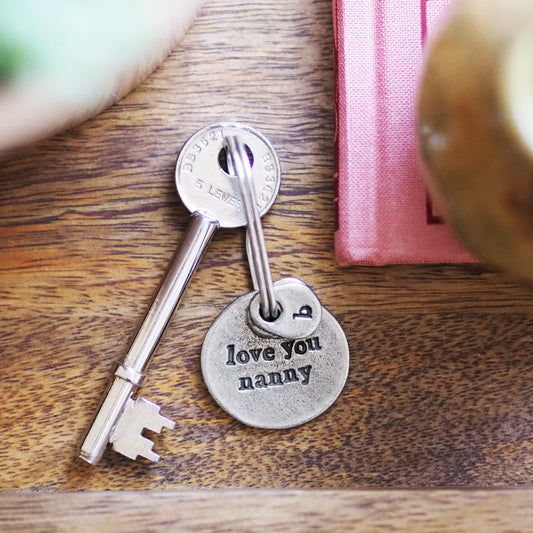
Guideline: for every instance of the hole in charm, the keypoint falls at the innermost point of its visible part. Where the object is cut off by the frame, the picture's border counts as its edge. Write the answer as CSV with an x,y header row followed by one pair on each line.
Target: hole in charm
x,y
277,315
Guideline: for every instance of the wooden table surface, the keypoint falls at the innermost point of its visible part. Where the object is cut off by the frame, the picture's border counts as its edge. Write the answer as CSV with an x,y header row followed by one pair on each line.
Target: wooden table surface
x,y
440,383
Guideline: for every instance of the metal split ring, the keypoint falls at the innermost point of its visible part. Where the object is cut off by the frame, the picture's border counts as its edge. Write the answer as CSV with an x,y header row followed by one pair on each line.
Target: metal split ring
x,y
240,166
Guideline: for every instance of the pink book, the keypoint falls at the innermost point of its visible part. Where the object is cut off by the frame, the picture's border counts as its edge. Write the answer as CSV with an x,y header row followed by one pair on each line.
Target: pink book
x,y
384,213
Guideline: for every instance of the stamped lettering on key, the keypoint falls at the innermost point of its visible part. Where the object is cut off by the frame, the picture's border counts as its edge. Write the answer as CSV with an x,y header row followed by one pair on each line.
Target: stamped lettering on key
x,y
205,185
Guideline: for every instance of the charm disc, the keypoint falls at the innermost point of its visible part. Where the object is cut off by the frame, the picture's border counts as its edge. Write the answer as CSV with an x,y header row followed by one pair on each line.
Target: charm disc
x,y
272,382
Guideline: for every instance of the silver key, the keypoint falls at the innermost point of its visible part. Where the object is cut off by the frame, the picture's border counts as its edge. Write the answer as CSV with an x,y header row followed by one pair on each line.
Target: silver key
x,y
209,190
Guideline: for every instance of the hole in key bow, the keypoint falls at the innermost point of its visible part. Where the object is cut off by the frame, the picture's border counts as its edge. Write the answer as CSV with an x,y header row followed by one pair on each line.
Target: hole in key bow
x,y
224,161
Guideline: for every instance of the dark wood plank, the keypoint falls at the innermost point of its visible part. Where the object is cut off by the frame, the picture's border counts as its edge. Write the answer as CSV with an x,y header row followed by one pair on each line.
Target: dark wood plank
x,y
440,386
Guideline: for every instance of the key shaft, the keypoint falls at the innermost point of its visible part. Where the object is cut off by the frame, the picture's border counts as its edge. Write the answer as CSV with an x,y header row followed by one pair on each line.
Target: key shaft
x,y
183,265
129,374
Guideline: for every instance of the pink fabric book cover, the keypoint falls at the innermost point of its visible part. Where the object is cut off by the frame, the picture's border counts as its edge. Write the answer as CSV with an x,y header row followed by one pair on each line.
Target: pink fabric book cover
x,y
384,213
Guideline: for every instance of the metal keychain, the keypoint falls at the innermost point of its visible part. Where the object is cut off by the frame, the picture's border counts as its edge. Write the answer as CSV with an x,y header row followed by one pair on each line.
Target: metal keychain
x,y
274,358
211,193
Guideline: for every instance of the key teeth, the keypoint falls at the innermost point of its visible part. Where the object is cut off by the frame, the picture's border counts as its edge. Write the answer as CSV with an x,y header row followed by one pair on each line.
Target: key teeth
x,y
127,438
143,448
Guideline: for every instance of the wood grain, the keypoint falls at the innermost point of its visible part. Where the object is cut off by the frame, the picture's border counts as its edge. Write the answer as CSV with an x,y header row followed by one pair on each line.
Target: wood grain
x,y
444,511
440,384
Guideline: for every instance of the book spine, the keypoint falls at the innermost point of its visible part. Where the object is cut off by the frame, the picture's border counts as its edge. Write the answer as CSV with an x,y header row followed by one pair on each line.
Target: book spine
x,y
356,22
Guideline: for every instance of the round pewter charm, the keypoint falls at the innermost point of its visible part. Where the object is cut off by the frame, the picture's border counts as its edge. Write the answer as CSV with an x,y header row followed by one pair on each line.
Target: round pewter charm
x,y
273,383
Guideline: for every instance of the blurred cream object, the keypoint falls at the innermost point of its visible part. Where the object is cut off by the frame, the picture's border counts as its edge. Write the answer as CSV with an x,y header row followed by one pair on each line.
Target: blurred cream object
x,y
475,128
62,61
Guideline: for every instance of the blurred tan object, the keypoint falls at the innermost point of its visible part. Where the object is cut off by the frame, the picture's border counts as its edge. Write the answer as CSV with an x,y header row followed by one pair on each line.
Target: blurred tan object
x,y
62,62
475,128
